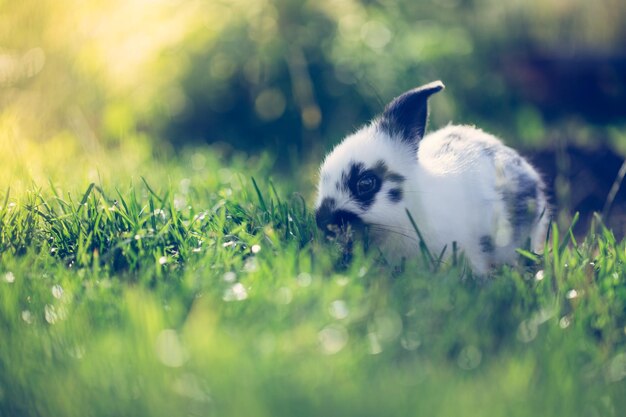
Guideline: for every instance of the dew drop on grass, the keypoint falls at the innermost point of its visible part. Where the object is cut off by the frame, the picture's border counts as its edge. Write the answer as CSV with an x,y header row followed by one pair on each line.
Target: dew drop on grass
x,y
527,331
27,316
251,265
200,216
565,322
159,213
332,339
57,291
169,349
338,309
9,277
237,292
469,358
50,314
229,276
304,279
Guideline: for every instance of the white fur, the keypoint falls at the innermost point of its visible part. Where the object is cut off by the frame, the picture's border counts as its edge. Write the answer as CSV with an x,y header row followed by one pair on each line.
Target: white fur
x,y
454,196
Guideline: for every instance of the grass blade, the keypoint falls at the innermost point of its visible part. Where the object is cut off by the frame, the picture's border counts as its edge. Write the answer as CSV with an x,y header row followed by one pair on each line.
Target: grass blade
x,y
423,246
259,195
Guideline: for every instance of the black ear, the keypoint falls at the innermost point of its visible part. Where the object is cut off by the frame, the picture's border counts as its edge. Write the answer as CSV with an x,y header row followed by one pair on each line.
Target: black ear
x,y
406,115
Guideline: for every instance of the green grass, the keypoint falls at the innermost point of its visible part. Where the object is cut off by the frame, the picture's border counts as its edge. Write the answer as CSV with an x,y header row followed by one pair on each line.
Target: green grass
x,y
208,293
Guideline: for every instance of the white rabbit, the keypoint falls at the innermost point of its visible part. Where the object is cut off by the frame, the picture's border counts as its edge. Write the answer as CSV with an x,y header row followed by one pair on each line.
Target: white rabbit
x,y
459,183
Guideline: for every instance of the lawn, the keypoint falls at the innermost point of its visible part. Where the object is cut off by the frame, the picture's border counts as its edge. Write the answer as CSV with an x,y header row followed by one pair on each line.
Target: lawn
x,y
159,256
193,284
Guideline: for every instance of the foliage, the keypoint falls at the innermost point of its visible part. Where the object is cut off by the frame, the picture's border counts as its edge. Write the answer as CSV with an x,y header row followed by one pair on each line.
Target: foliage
x,y
318,69
292,76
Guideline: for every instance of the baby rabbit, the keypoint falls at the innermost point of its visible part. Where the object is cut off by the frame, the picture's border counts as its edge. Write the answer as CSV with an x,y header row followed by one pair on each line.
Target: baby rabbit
x,y
459,183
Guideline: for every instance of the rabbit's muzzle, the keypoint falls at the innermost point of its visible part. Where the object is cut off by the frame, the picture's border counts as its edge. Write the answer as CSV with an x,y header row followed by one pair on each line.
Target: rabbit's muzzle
x,y
332,222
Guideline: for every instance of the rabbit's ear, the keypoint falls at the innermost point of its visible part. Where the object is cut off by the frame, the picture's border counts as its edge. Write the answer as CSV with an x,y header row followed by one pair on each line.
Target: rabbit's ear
x,y
406,115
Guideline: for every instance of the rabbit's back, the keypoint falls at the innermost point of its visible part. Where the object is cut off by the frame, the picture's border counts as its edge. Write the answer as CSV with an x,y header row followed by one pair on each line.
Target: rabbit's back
x,y
480,193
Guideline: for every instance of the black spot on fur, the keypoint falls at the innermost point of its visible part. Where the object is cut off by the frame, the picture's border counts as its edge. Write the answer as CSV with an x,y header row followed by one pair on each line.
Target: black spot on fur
x,y
381,170
445,149
486,244
522,203
351,180
393,177
352,175
448,144
379,173
324,212
488,151
395,195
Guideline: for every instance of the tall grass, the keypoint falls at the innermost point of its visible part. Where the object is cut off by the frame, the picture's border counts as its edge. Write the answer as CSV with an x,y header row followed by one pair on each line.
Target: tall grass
x,y
147,300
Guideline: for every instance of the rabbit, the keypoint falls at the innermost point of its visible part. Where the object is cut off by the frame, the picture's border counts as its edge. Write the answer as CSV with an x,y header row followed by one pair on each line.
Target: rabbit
x,y
461,185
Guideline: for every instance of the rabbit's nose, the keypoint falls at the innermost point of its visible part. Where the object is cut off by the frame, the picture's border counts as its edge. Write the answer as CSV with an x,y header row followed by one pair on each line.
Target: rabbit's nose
x,y
330,220
324,214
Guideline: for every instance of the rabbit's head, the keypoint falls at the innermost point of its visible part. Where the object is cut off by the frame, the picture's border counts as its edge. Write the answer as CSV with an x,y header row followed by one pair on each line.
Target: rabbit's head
x,y
363,180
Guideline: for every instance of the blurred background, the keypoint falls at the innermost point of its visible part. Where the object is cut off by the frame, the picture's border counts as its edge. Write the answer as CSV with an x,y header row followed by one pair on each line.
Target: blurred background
x,y
287,79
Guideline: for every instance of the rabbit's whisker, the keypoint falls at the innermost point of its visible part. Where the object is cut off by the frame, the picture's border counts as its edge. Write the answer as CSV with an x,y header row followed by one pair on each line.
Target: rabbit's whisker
x,y
384,229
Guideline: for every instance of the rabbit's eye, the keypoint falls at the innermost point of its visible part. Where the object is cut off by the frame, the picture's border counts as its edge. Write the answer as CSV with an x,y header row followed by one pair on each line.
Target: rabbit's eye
x,y
366,184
